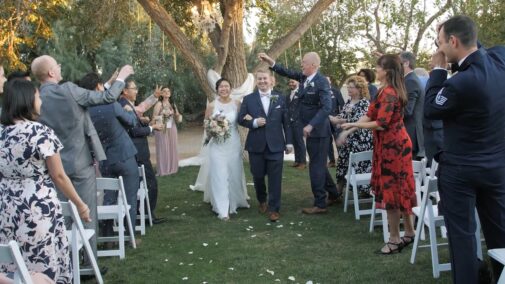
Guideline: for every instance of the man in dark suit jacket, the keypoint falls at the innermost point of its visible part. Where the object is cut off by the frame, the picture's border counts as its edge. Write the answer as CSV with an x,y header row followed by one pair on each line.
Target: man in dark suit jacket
x,y
414,113
314,111
264,113
337,102
139,134
293,103
110,121
472,162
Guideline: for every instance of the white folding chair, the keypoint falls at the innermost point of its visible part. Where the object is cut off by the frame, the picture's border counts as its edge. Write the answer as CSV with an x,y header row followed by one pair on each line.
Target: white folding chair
x,y
499,255
354,180
419,169
10,253
79,238
429,217
143,198
117,213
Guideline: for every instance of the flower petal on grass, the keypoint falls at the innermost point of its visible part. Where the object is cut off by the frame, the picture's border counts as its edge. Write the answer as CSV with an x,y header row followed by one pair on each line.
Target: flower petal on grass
x,y
191,264
231,268
309,282
280,226
253,236
190,252
205,244
292,278
166,259
185,278
271,272
181,263
299,235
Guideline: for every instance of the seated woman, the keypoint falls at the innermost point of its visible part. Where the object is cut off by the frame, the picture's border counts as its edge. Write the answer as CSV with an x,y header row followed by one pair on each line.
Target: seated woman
x,y
353,140
31,169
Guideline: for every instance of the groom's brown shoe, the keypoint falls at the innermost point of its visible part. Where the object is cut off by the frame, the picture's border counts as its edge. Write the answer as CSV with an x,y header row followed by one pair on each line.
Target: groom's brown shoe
x,y
263,208
314,210
274,216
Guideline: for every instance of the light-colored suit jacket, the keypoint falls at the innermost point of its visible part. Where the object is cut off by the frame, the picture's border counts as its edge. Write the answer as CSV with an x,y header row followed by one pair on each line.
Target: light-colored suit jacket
x,y
64,109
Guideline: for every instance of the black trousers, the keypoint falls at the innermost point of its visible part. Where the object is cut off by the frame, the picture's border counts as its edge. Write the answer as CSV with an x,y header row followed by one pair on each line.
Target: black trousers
x,y
320,178
462,189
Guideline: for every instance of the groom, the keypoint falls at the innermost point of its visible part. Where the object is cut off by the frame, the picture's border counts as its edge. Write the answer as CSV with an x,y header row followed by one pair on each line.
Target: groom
x,y
264,113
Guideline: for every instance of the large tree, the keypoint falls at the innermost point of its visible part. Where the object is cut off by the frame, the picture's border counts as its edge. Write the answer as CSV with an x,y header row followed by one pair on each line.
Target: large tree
x,y
226,36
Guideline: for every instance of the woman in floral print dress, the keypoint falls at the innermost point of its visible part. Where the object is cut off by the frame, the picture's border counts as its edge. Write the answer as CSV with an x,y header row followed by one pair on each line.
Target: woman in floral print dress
x,y
30,167
392,173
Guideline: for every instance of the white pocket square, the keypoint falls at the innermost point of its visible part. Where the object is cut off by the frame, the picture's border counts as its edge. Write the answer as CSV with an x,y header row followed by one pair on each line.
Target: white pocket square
x,y
278,107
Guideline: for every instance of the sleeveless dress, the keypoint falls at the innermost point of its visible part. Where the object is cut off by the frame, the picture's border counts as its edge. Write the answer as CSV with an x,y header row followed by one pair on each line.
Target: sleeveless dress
x,y
392,174
226,186
30,212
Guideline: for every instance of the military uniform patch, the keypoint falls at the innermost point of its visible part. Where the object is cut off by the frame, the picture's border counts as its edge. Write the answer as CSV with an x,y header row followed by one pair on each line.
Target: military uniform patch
x,y
439,99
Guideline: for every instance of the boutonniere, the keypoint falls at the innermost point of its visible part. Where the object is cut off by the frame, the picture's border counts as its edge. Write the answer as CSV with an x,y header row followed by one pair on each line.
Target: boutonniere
x,y
274,98
311,84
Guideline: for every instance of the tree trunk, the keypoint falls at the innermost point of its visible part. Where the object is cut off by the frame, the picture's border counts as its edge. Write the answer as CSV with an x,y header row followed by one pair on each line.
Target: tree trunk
x,y
235,68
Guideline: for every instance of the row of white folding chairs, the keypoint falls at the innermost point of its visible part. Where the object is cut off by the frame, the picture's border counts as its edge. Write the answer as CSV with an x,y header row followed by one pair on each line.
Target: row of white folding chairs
x,y
10,253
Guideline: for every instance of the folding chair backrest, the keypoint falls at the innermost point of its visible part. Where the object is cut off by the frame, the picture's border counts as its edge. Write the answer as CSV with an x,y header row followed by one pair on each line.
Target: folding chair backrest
x,y
433,168
69,210
355,158
10,253
419,169
113,184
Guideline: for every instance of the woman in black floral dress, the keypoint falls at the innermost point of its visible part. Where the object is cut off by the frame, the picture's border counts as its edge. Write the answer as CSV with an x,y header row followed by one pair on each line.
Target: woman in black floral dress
x,y
30,167
353,140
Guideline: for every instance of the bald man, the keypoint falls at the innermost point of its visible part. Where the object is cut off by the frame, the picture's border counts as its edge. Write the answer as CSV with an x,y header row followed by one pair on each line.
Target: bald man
x,y
65,110
315,98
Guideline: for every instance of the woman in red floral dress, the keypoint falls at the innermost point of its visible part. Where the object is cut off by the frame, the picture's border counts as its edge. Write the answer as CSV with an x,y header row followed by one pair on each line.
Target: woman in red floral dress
x,y
392,174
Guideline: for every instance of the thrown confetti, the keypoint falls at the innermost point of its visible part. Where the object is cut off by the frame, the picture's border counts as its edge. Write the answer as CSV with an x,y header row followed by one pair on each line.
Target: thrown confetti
x,y
190,252
191,264
166,259
292,223
185,278
261,274
205,244
231,268
181,263
277,280
217,243
250,227
292,278
271,272
200,258
210,261
299,235
280,226
268,224
253,236
309,282
183,214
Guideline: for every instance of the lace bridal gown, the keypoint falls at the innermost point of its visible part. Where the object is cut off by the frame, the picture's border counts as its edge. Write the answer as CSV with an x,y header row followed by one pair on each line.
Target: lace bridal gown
x,y
221,176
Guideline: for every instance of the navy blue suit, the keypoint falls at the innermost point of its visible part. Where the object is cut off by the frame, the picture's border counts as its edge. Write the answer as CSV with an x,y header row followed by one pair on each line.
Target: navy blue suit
x,y
472,162
110,122
266,145
314,110
296,127
139,134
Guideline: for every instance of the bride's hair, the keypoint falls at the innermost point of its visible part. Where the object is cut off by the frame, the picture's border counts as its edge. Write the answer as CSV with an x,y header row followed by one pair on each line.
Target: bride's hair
x,y
218,83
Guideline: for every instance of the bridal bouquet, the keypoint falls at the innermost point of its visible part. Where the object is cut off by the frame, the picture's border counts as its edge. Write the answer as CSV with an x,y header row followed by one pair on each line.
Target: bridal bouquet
x,y
217,128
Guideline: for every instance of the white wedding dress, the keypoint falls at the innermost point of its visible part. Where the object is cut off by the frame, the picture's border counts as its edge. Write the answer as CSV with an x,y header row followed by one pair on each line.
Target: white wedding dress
x,y
222,177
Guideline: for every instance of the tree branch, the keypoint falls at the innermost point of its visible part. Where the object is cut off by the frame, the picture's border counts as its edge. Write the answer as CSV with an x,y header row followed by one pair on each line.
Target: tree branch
x,y
224,39
179,39
423,28
283,43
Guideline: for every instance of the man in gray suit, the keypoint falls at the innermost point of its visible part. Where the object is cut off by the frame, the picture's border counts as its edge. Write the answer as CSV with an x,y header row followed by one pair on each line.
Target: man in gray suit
x,y
65,110
414,112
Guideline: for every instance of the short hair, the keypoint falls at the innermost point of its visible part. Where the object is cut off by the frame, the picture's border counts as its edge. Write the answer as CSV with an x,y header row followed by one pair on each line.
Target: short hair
x,y
369,74
409,57
218,83
18,102
127,84
361,84
90,81
264,71
461,27
18,75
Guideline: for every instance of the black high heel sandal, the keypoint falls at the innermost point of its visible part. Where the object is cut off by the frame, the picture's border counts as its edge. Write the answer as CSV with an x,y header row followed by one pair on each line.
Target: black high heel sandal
x,y
407,240
393,248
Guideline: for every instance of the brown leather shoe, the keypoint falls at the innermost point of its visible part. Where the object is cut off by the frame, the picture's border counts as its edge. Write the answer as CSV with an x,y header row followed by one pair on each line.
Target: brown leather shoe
x,y
274,216
314,210
301,166
263,208
295,164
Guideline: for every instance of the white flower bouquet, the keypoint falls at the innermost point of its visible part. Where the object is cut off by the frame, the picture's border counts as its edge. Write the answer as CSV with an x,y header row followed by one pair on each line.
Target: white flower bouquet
x,y
217,128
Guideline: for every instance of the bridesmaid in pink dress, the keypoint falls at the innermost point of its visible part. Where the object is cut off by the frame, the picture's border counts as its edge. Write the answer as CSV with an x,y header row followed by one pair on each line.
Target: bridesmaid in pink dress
x,y
167,160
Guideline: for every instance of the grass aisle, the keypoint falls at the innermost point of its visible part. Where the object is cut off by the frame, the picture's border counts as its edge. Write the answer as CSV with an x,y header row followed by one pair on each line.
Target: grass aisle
x,y
196,247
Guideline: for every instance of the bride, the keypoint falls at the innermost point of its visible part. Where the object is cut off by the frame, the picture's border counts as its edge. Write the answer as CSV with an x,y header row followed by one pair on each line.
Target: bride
x,y
225,185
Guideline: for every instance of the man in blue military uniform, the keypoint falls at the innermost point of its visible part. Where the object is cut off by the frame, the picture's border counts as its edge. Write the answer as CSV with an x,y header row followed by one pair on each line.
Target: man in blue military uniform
x,y
315,108
472,162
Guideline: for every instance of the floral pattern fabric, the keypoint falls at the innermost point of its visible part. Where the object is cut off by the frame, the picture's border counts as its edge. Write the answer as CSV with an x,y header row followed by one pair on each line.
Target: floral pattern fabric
x,y
392,173
30,212
359,141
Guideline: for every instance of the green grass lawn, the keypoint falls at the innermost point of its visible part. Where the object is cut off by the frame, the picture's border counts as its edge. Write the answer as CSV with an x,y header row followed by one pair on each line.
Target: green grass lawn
x,y
194,246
